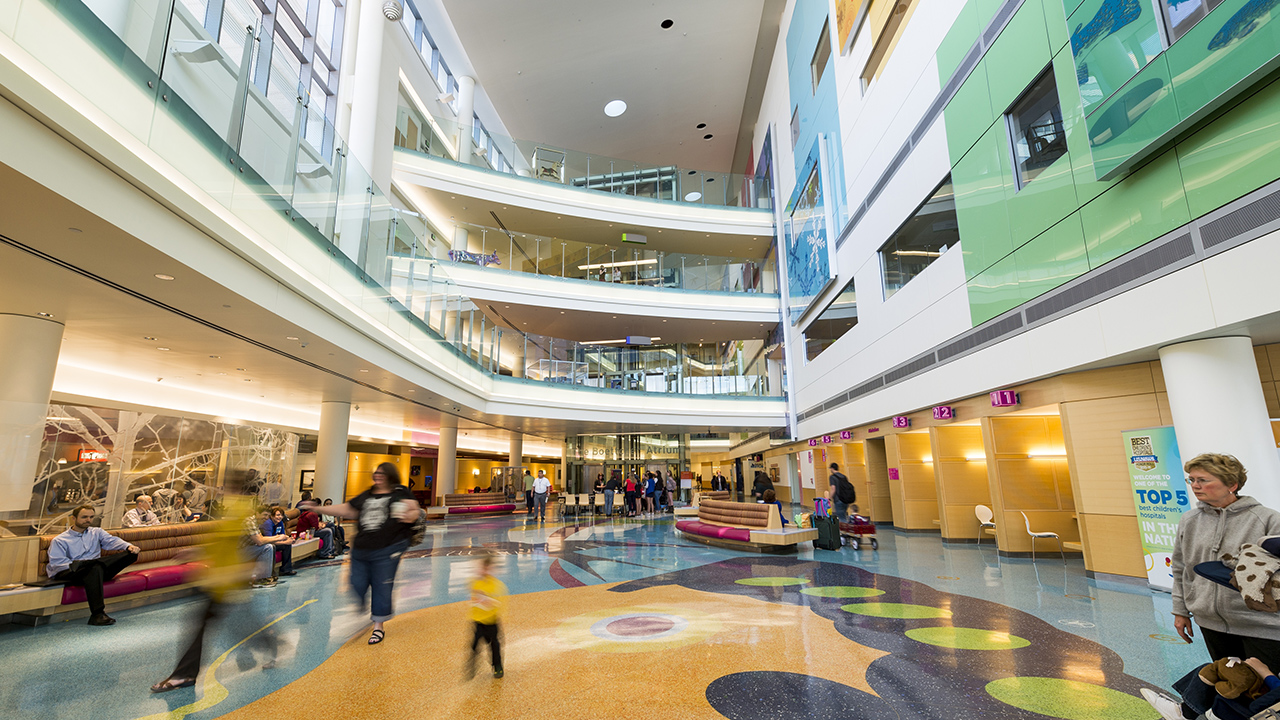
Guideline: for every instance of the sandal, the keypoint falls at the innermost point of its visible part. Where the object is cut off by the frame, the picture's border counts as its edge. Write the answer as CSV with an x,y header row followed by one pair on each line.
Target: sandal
x,y
172,684
376,637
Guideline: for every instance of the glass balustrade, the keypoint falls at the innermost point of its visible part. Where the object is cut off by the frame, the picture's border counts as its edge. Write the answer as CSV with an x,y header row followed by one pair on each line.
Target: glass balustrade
x,y
246,134
445,139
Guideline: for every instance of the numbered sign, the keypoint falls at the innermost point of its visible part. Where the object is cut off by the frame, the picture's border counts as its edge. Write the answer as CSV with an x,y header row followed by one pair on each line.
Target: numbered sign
x,y
846,434
944,412
1004,398
902,421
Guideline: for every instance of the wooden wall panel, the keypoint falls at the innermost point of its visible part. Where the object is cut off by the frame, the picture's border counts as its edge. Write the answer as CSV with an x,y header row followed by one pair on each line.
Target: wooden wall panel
x,y
897,500
1116,545
1038,486
855,467
915,492
878,479
961,482
19,559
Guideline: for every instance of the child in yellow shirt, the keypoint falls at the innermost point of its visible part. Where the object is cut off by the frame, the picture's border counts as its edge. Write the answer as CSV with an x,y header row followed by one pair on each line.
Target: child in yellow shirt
x,y
488,596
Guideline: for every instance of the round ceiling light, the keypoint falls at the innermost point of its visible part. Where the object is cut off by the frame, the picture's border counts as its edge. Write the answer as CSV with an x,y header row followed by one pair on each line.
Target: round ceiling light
x,y
707,136
614,108
666,24
701,125
694,196
162,276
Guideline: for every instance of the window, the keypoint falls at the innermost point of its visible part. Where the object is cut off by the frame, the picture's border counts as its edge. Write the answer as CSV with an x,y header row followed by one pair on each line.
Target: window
x,y
832,323
886,20
1181,15
923,238
821,55
795,126
1035,127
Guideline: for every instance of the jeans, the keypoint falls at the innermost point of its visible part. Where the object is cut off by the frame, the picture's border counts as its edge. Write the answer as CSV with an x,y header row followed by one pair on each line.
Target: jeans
x,y
286,556
263,558
92,574
375,570
327,548
528,502
608,503
540,505
488,633
842,509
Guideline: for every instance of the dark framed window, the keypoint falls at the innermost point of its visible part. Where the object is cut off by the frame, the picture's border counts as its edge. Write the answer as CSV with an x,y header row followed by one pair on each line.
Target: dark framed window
x,y
832,323
821,54
930,231
1036,130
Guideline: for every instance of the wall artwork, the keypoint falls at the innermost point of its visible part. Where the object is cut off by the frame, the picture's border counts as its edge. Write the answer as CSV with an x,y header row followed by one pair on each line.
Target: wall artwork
x,y
810,262
849,15
307,481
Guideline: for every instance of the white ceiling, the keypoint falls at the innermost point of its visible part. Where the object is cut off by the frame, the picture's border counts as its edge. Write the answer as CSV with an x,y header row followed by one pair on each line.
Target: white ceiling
x,y
549,67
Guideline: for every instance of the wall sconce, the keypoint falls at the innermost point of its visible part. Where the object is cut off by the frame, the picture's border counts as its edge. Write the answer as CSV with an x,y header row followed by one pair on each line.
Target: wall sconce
x,y
475,471
976,458
1047,455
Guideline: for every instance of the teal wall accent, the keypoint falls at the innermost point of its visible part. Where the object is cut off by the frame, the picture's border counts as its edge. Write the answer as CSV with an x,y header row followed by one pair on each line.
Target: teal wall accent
x,y
1018,245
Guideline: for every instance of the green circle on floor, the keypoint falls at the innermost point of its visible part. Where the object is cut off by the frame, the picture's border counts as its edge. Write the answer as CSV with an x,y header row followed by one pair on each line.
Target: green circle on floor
x,y
842,591
1068,699
967,638
900,611
771,581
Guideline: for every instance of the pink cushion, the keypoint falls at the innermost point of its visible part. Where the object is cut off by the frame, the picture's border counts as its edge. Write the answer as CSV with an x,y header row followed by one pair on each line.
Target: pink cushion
x,y
481,509
741,534
122,585
168,576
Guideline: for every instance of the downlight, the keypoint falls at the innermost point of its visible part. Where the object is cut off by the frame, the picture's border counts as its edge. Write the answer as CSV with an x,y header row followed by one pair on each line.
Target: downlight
x,y
614,108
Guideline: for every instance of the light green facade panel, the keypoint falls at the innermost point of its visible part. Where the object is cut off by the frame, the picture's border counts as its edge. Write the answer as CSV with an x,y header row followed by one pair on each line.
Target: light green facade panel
x,y
1055,257
969,114
1227,46
994,291
1087,186
1018,56
963,34
979,182
1112,40
1042,202
1234,155
1055,21
1142,112
1140,208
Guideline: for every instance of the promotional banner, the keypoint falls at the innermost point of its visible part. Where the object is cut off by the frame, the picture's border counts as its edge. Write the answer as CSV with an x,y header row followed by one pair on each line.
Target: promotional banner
x,y
1160,496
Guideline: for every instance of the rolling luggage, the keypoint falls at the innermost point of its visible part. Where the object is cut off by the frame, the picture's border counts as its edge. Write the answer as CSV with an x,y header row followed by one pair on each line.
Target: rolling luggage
x,y
828,532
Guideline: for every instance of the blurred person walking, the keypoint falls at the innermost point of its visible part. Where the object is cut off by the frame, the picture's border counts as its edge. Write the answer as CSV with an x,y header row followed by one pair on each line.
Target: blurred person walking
x,y
488,597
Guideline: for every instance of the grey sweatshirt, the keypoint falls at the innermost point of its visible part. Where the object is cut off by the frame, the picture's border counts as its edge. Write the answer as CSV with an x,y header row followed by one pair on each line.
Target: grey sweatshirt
x,y
1207,533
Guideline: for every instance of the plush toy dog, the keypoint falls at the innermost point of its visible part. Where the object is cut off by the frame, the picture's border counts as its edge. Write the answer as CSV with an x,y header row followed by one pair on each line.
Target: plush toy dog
x,y
1233,679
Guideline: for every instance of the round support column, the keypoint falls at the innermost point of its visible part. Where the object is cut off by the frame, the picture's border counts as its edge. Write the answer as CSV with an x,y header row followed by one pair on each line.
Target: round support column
x,y
27,367
367,77
1215,397
516,455
331,451
466,113
447,462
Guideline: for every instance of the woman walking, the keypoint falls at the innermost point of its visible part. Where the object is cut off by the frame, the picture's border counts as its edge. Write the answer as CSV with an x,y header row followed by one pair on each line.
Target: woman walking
x,y
384,516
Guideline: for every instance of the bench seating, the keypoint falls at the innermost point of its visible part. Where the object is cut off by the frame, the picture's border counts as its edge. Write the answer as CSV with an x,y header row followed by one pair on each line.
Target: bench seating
x,y
743,526
478,504
698,496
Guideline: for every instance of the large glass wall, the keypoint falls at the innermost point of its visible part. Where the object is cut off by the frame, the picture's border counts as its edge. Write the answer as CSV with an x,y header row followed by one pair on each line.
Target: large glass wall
x,y
930,231
106,458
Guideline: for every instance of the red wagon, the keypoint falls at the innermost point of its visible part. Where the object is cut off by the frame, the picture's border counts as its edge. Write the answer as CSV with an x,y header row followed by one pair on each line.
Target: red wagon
x,y
859,529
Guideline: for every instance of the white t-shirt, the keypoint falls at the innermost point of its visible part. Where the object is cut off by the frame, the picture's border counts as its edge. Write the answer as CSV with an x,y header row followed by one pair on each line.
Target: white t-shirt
x,y
541,484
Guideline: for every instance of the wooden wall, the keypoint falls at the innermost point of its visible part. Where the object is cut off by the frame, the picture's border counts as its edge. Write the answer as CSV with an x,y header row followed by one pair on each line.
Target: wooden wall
x,y
1038,486
855,467
914,493
960,469
877,462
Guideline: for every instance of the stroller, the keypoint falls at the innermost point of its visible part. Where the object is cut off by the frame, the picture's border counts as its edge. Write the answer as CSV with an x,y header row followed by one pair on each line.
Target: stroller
x,y
858,529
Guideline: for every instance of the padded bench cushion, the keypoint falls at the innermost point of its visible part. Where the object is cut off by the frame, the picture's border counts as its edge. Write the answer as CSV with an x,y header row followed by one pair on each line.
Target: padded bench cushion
x,y
752,515
481,509
123,584
169,575
474,499
714,531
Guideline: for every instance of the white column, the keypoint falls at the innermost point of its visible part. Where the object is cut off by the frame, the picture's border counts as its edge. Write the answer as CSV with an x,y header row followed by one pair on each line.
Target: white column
x,y
516,455
27,365
1215,396
447,462
365,81
331,451
461,239
466,110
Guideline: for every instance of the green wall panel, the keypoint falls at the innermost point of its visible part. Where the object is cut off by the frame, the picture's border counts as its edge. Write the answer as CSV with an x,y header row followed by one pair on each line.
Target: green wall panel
x,y
969,114
1069,6
1055,21
987,10
1016,57
1228,45
1233,155
1135,117
994,291
1042,202
1087,186
981,211
1112,42
1140,208
1053,258
963,34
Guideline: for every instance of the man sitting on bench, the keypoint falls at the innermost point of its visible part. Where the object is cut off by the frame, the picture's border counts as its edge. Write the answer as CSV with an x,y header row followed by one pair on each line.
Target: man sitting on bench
x,y
75,557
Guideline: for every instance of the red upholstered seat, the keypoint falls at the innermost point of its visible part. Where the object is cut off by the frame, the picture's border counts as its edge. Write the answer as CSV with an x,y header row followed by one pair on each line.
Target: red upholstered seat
x,y
168,576
480,509
740,534
122,585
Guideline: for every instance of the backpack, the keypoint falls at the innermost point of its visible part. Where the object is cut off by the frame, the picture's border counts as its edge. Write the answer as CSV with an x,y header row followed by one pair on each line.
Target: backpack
x,y
844,489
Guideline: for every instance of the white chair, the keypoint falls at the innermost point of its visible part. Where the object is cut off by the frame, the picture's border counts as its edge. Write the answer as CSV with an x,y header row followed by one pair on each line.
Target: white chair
x,y
985,520
1042,535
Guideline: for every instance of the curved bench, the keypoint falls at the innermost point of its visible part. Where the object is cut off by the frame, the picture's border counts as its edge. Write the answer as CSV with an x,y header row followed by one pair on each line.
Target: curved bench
x,y
478,504
743,526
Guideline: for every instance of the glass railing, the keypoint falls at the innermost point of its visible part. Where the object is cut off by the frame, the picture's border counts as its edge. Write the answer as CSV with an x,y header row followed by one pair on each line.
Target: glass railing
x,y
495,249
445,139
206,107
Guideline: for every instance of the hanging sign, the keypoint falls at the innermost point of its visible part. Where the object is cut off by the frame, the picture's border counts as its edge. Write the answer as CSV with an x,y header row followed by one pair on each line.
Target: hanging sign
x,y
846,434
1159,496
902,421
1004,398
944,412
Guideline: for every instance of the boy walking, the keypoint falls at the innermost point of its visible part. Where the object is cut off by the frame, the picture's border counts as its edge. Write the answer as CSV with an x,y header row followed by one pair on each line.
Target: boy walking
x,y
488,595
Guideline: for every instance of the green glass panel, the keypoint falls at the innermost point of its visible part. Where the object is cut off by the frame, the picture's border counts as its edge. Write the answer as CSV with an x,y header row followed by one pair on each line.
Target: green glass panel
x,y
1227,46
1140,208
1087,185
1052,259
1018,56
963,33
1235,154
979,181
969,114
1042,202
986,10
1112,40
994,291
1068,6
1136,116
1055,21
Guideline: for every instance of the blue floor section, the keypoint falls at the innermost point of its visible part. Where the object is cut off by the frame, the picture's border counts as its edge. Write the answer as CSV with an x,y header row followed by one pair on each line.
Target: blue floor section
x,y
68,669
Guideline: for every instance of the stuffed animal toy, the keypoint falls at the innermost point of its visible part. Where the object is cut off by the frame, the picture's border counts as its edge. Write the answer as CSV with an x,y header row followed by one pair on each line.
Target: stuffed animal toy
x,y
1232,678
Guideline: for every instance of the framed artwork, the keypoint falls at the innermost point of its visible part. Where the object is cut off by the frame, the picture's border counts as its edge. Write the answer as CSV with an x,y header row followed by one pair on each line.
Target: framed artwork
x,y
807,236
308,480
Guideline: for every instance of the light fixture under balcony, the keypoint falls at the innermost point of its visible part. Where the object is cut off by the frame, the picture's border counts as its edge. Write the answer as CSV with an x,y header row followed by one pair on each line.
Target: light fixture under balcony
x,y
620,263
196,51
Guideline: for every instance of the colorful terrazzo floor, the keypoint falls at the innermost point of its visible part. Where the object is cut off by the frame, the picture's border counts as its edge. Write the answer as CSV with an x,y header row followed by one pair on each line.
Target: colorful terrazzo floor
x,y
628,619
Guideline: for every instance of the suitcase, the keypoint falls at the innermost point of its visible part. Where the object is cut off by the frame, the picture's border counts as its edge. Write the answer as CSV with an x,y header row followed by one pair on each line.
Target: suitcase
x,y
828,532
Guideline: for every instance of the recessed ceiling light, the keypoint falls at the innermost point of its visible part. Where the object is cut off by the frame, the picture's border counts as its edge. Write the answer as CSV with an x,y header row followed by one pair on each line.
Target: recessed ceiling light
x,y
240,369
701,125
614,108
147,337
162,276
693,197
247,380
711,180
45,314
364,371
214,357
163,349
664,321
76,230
707,136
666,24
290,337
561,312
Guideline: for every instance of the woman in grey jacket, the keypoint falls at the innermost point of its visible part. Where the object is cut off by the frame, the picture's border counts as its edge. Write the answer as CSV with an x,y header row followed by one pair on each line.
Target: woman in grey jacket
x,y
1221,522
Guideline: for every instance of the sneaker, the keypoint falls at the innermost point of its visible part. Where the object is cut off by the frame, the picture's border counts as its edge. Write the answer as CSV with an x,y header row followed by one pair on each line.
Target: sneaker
x,y
1168,708
263,583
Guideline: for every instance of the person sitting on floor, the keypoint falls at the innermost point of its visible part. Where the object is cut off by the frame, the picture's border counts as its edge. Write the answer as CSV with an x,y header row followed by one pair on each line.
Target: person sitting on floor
x,y
75,558
141,515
